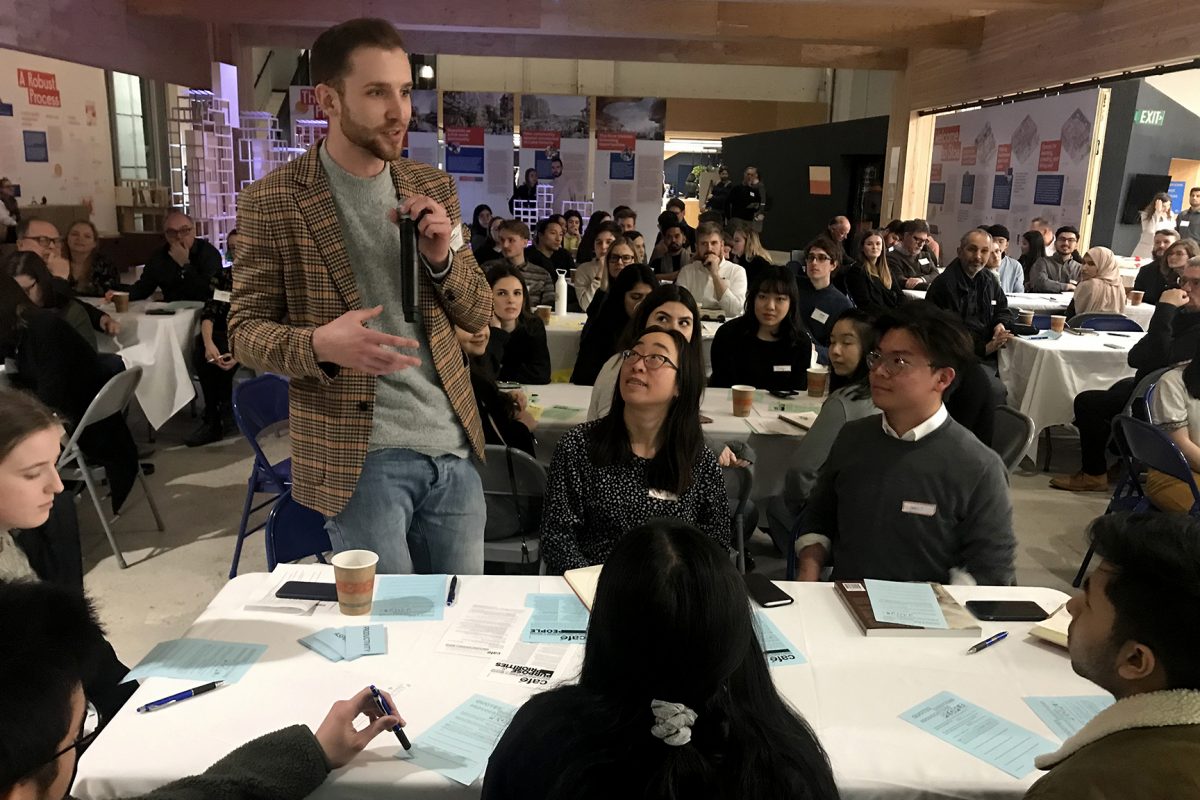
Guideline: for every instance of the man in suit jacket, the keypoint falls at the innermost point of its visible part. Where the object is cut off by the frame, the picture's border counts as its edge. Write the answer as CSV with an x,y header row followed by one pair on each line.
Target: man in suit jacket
x,y
383,419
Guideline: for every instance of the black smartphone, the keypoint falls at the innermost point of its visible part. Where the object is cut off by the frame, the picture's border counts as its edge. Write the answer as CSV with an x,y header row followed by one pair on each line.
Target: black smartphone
x,y
784,393
765,593
1006,610
160,312
307,590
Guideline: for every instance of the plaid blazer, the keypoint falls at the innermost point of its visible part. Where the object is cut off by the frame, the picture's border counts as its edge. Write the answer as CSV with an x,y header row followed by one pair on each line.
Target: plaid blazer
x,y
292,274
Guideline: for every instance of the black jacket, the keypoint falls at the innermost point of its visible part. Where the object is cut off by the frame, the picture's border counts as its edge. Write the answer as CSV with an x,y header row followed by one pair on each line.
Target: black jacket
x,y
1171,338
739,356
192,281
521,356
867,291
904,266
746,201
1151,281
978,301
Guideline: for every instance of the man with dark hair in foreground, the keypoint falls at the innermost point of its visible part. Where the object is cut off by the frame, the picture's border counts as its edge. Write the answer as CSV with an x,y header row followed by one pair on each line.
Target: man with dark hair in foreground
x,y
1134,632
51,644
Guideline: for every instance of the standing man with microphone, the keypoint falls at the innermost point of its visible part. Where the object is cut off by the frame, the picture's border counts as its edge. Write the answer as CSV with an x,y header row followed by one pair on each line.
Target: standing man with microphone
x,y
383,419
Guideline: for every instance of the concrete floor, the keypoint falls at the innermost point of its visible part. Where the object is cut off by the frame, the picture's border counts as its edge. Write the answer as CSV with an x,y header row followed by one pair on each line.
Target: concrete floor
x,y
173,575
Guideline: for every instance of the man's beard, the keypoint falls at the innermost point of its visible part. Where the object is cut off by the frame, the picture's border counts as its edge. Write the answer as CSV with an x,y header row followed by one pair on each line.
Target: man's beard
x,y
377,145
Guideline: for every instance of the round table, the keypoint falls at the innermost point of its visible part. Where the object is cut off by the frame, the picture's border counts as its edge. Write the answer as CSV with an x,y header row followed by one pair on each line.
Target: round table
x,y
1056,303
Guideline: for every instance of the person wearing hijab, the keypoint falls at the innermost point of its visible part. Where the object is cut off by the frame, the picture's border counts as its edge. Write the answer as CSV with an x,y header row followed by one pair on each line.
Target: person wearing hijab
x,y
1100,288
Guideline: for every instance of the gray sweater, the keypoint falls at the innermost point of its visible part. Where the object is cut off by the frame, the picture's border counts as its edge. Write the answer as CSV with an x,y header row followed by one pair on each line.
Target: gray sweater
x,y
1048,274
912,511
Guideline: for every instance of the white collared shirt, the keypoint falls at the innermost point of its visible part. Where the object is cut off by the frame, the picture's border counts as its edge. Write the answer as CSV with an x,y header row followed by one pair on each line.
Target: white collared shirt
x,y
696,279
920,431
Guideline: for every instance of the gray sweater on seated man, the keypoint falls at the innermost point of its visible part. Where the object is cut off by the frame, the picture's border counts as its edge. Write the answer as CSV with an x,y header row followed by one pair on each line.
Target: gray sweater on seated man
x,y
1049,274
929,506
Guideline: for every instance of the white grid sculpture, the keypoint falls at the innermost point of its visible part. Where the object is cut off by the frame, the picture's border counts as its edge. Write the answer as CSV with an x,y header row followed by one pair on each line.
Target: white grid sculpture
x,y
200,150
261,146
584,207
307,132
532,211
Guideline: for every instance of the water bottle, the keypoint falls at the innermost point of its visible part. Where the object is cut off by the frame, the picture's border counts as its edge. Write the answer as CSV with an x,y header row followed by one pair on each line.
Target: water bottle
x,y
560,294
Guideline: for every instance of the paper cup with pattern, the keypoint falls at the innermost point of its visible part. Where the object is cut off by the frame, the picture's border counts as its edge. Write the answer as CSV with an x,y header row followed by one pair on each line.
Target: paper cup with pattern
x,y
1057,323
354,571
818,379
743,400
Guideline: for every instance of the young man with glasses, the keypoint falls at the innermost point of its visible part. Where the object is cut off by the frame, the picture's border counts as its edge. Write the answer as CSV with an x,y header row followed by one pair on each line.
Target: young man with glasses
x,y
52,640
820,303
185,268
1058,272
35,235
911,495
911,260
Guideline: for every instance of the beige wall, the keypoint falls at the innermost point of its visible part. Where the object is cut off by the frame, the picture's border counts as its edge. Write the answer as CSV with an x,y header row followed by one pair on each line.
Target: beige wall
x,y
714,119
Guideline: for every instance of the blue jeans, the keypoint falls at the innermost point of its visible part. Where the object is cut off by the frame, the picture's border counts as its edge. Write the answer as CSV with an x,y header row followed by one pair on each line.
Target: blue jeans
x,y
422,514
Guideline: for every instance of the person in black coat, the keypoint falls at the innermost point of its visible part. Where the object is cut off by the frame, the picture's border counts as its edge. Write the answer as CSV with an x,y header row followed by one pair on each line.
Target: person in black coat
x,y
184,268
517,346
869,281
603,329
768,346
504,415
968,291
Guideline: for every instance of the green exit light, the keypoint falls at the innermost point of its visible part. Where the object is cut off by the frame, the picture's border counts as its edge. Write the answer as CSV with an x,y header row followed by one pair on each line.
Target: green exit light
x,y
1149,117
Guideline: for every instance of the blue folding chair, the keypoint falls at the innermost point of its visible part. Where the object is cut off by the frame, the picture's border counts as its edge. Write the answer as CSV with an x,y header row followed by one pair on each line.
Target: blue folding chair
x,y
258,404
1041,322
1098,321
294,532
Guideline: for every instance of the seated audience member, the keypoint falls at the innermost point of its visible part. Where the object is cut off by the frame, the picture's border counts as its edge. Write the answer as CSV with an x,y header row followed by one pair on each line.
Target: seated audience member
x,y
638,241
645,459
913,263
820,303
911,495
1188,221
55,294
547,250
838,230
1003,268
1163,273
36,235
184,268
573,231
540,283
748,200
52,361
481,219
602,332
1042,227
215,365
626,218
747,250
693,714
892,233
504,415
590,278
488,252
967,291
714,282
92,273
849,399
620,254
586,252
1058,272
675,254
231,242
1134,636
677,207
518,342
53,642
526,192
1175,408
1100,288
869,283
668,307
1171,338
1031,250
768,346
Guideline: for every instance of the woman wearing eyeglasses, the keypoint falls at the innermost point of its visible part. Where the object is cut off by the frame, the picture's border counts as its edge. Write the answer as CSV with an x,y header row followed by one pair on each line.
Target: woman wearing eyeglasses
x,y
821,303
645,459
590,276
617,256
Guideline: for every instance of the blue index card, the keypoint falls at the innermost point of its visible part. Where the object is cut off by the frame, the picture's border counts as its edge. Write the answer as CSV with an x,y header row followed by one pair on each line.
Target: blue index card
x,y
364,640
401,598
324,644
459,744
556,618
200,660
980,733
905,603
779,651
1067,715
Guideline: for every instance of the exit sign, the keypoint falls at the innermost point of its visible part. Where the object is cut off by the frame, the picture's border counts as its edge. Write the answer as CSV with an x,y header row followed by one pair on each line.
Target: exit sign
x,y
1148,117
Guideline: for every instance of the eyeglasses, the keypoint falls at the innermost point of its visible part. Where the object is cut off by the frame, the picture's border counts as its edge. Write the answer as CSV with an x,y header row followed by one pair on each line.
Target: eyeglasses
x,y
178,231
624,259
45,241
890,366
88,731
1189,281
820,258
920,240
653,361
1068,239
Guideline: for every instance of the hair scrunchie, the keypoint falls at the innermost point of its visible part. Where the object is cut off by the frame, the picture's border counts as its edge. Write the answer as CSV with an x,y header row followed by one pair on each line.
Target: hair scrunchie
x,y
672,722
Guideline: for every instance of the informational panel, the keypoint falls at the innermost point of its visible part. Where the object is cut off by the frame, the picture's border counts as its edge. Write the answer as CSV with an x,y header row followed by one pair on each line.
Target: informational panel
x,y
421,143
1007,164
479,144
302,100
629,155
55,140
554,141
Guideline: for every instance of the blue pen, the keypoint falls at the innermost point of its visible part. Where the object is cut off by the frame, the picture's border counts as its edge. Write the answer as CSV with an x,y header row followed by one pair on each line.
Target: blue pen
x,y
999,637
452,595
382,702
179,698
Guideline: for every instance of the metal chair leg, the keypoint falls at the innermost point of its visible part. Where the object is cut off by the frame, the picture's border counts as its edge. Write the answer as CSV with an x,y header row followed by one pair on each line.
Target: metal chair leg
x,y
241,534
150,499
104,523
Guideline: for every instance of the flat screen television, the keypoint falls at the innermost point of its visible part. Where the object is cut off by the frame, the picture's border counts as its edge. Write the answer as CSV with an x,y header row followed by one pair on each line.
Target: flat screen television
x,y
1142,188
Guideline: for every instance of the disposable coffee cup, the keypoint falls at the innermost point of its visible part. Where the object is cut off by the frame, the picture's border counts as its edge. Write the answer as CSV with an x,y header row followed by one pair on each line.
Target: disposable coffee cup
x,y
1057,323
818,378
1135,297
1025,318
743,400
354,571
544,313
121,302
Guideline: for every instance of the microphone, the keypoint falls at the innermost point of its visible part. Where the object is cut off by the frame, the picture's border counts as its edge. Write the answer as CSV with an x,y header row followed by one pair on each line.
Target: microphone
x,y
410,262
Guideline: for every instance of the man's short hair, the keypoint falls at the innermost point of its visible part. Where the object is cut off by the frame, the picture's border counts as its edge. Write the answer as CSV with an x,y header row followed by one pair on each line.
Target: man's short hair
x,y
26,221
1067,229
1174,234
1036,221
329,58
556,160
618,210
997,231
675,202
1155,587
53,645
631,235
962,241
895,227
570,212
514,226
942,336
837,221
543,225
625,212
914,226
832,249
667,220
710,229
1193,189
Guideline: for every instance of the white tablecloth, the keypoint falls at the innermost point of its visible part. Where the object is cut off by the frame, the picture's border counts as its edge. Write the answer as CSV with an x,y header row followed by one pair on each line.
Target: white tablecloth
x,y
1044,375
1057,304
852,691
162,347
562,338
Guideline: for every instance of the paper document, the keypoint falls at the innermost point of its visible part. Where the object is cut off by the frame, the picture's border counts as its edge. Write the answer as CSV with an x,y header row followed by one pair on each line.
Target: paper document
x,y
459,744
980,733
561,413
483,631
201,660
1067,715
905,604
556,618
400,598
779,651
285,573
527,664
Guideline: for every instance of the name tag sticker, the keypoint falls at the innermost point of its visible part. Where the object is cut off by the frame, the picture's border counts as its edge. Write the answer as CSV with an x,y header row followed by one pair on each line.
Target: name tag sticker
x,y
222,297
820,316
920,509
661,494
783,367
922,261
993,302
1185,223
456,239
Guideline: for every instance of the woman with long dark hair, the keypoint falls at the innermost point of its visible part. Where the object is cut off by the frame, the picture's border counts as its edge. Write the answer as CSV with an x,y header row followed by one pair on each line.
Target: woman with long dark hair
x,y
603,329
645,459
518,341
54,294
586,244
481,219
675,699
768,346
1156,216
505,417
1033,247
590,275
